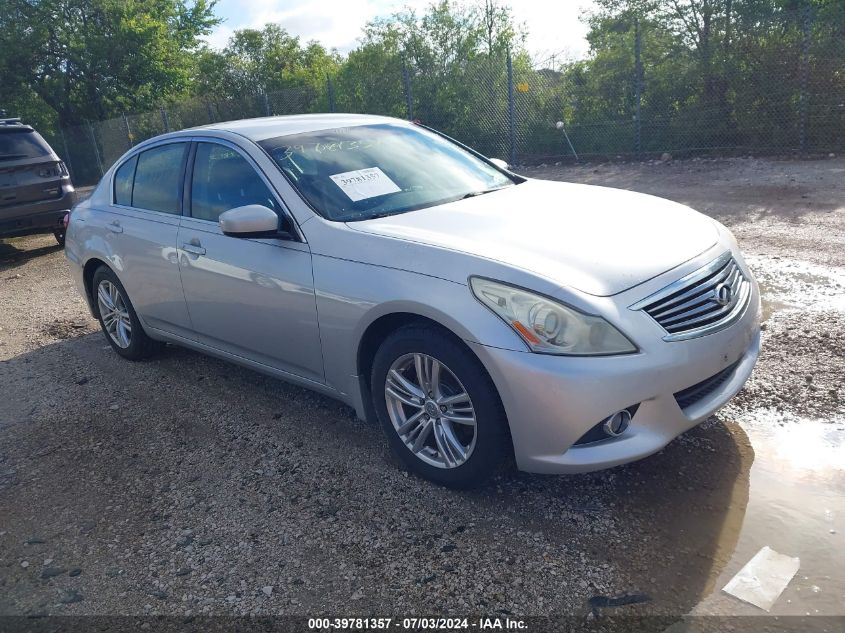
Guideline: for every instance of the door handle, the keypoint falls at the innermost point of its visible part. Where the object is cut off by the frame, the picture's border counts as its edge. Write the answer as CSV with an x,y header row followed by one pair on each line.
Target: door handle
x,y
115,227
193,249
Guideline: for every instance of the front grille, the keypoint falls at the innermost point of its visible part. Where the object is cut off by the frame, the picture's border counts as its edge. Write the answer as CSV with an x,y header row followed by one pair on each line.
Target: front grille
x,y
692,395
704,301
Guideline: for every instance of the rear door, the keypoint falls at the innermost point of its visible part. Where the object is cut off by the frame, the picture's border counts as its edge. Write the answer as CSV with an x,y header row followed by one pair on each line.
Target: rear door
x,y
249,297
141,229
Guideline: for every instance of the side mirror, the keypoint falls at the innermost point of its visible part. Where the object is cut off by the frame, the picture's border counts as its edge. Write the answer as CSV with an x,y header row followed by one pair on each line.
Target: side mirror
x,y
252,220
501,164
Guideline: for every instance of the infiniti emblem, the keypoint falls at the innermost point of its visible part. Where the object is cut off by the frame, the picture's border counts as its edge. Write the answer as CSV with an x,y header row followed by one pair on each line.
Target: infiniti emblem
x,y
722,294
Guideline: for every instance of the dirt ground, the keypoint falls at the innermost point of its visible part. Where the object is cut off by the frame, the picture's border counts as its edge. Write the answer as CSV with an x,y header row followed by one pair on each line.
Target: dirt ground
x,y
184,485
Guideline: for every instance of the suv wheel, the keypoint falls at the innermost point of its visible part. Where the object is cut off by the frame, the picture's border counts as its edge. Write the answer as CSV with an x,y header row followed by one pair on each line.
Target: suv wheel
x,y
118,319
60,237
439,408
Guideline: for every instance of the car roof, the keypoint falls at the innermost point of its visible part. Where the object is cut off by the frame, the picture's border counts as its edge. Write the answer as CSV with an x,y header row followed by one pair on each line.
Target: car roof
x,y
13,124
273,126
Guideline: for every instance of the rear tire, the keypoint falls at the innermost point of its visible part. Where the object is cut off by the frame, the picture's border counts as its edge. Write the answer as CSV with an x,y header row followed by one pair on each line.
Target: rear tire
x,y
60,237
428,420
118,319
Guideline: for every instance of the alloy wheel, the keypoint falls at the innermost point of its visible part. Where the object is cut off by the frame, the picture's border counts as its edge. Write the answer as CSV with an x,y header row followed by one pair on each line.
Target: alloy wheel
x,y
114,313
431,410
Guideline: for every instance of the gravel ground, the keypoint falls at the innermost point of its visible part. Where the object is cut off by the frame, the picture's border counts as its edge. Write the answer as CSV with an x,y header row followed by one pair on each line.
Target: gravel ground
x,y
185,485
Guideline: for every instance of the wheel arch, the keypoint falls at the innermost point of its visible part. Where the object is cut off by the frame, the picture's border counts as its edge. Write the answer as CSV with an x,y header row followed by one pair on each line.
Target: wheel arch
x,y
88,271
382,327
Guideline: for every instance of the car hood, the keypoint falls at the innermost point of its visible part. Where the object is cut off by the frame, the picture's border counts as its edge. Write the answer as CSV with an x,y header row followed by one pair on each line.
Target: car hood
x,y
598,240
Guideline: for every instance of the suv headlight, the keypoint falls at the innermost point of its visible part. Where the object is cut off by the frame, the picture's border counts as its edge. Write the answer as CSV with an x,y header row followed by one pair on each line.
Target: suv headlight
x,y
550,327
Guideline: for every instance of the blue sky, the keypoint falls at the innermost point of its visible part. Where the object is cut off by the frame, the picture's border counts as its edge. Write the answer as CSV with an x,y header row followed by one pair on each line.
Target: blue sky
x,y
553,25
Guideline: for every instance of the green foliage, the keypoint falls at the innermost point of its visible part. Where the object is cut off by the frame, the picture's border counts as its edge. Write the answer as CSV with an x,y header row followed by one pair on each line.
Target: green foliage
x,y
19,100
709,73
454,59
370,80
94,58
262,61
716,73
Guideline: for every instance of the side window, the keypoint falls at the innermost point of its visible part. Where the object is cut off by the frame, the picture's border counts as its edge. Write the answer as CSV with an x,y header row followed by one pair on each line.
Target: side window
x,y
157,178
222,180
123,179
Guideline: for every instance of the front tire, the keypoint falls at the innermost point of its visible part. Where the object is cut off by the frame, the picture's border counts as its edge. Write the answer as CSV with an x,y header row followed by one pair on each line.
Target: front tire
x,y
60,237
439,408
118,319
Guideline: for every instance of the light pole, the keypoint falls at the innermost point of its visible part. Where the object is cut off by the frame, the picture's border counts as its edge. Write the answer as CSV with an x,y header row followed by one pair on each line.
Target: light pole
x,y
559,125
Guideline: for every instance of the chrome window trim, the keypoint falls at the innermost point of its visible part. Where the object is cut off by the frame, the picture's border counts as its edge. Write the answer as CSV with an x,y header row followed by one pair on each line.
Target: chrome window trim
x,y
138,212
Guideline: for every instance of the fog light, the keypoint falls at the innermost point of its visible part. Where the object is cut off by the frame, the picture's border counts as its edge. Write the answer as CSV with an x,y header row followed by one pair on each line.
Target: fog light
x,y
617,423
610,427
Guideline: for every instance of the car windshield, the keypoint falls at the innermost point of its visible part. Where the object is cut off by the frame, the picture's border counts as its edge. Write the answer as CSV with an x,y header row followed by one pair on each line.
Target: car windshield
x,y
368,171
21,144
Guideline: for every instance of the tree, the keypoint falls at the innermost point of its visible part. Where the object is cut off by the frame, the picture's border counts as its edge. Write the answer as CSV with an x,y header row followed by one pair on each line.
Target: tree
x,y
264,60
498,28
94,58
448,35
454,55
720,72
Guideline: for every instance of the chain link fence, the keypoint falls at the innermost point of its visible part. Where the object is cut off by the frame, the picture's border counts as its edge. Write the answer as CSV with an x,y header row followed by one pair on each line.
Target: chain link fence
x,y
534,112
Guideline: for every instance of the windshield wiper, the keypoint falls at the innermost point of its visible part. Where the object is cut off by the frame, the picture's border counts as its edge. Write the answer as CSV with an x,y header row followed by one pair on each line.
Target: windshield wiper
x,y
382,214
481,192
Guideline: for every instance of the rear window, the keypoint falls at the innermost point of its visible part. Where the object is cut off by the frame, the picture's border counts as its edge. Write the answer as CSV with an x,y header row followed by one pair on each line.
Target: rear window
x,y
123,182
157,178
21,144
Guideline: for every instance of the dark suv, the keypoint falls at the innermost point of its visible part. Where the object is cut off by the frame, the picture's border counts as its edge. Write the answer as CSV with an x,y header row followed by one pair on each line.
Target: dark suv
x,y
35,188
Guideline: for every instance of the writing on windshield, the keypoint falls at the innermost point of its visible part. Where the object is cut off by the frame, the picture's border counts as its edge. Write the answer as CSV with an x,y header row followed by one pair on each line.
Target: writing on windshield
x,y
361,172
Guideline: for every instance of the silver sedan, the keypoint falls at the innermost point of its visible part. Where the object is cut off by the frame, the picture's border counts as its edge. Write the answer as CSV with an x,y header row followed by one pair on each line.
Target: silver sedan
x,y
481,317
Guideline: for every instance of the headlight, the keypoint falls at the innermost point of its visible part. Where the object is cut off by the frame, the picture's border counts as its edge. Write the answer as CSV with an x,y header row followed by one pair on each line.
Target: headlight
x,y
548,326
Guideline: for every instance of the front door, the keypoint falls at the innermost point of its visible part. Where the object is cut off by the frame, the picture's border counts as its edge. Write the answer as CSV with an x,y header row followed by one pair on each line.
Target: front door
x,y
250,297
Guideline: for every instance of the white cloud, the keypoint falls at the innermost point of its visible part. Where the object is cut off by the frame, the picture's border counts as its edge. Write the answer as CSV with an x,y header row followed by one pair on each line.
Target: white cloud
x,y
553,27
220,36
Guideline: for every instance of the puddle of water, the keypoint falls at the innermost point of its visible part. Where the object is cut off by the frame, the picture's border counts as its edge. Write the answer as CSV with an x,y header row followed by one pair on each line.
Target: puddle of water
x,y
789,284
796,506
796,499
801,449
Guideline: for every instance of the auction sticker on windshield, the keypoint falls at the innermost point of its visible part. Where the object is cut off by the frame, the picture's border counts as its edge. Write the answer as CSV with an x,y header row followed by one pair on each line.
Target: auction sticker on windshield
x,y
365,183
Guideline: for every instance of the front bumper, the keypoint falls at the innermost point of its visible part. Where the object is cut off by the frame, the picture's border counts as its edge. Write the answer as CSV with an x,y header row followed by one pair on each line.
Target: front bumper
x,y
552,401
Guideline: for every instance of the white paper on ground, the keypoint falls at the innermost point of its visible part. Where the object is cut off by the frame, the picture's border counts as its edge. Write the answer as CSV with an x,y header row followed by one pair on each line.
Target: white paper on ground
x,y
763,578
365,183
